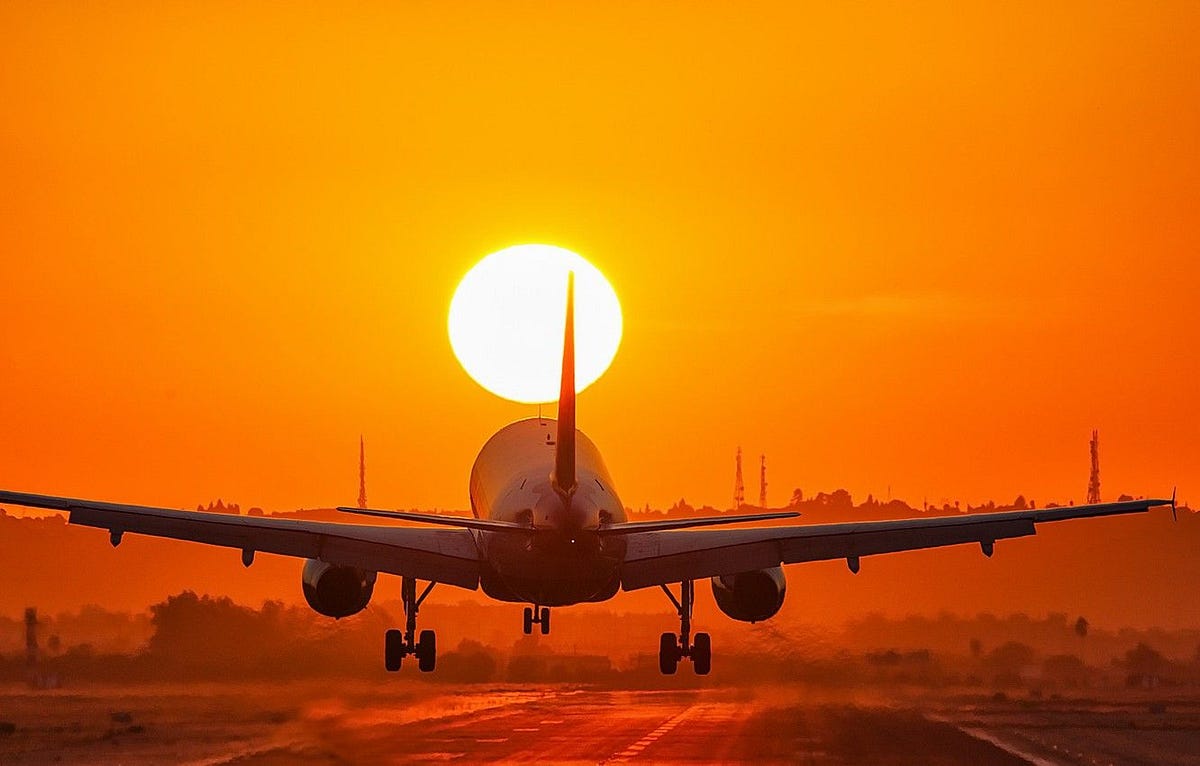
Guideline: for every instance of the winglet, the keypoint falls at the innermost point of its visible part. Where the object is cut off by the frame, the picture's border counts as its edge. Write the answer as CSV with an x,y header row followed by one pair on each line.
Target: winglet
x,y
1174,516
563,478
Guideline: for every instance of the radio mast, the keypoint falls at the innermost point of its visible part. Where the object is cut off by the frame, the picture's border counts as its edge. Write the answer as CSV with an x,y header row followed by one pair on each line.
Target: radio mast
x,y
762,481
1094,480
739,487
362,473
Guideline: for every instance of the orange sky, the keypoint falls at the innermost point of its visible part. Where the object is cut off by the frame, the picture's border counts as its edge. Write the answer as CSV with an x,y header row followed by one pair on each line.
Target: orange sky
x,y
929,248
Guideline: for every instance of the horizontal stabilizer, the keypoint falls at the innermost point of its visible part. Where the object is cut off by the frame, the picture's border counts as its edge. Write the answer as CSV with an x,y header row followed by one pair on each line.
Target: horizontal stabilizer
x,y
631,527
467,522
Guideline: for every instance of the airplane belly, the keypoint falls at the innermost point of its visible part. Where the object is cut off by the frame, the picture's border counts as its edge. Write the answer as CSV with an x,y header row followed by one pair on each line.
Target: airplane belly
x,y
552,572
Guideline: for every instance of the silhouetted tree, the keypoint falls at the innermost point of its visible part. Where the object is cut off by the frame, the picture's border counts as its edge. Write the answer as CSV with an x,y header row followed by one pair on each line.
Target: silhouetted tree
x,y
1065,670
1081,627
841,500
470,662
1144,662
681,508
1008,660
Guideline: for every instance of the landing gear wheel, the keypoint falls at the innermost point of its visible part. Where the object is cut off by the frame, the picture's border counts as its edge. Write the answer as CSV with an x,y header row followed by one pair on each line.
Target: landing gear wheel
x,y
393,650
702,654
528,626
544,620
668,654
426,651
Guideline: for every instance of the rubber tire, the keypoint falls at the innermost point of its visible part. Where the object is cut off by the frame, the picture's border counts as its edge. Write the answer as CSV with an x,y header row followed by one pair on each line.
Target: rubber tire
x,y
668,654
393,650
528,626
545,620
702,654
427,651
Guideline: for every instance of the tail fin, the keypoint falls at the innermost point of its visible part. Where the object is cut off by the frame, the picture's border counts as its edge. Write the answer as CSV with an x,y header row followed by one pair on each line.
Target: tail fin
x,y
563,479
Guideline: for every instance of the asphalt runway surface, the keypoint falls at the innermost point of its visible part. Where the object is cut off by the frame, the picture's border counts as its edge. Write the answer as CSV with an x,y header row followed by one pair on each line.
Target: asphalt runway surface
x,y
329,723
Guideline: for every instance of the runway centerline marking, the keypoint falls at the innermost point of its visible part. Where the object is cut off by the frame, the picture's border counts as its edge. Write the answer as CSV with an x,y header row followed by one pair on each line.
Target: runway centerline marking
x,y
634,750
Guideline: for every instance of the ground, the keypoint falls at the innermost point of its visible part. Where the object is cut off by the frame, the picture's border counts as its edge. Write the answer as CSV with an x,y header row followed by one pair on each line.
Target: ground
x,y
409,721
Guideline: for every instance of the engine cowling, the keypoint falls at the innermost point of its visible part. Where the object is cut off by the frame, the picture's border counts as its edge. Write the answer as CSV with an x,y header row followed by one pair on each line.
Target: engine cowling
x,y
336,591
750,596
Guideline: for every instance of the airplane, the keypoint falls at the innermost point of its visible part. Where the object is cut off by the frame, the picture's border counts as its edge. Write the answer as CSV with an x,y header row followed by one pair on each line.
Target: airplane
x,y
548,529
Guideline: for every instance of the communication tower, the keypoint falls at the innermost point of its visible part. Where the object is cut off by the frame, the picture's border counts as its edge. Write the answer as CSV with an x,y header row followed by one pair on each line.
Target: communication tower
x,y
1093,495
739,487
362,473
762,481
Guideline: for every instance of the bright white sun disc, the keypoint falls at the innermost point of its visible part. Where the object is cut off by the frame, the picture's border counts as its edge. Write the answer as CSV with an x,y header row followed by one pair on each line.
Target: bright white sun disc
x,y
507,315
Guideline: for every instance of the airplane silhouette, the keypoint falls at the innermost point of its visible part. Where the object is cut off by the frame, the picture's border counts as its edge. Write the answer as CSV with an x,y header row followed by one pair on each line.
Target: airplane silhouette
x,y
548,529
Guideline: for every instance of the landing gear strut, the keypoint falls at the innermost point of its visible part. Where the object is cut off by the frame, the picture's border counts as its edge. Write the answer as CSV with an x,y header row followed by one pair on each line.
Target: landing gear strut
x,y
398,645
537,616
672,648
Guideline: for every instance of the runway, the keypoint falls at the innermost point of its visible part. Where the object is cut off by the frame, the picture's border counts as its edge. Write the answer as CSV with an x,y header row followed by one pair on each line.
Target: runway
x,y
663,727
327,723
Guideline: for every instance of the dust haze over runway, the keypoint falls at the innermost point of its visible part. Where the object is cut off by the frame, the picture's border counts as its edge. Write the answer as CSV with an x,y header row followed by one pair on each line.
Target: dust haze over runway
x,y
355,722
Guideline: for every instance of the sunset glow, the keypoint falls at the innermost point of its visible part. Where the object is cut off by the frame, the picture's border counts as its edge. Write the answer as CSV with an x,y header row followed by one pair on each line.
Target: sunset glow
x,y
910,251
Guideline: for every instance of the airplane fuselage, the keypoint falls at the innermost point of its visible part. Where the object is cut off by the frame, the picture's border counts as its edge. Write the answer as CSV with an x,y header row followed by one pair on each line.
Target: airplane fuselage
x,y
565,561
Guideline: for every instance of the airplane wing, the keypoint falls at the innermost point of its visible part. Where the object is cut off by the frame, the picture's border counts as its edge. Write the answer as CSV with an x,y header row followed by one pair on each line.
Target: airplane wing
x,y
657,558
442,555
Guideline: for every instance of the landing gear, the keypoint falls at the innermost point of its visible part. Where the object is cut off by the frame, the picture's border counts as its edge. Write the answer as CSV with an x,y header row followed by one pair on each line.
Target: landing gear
x,y
537,616
397,645
672,648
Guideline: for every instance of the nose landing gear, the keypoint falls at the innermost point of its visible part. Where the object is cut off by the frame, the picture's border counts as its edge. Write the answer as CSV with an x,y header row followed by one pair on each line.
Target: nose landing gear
x,y
397,645
672,648
537,616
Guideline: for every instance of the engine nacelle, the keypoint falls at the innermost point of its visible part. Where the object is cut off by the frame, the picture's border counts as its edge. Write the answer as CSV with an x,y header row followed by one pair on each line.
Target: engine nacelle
x,y
336,591
750,596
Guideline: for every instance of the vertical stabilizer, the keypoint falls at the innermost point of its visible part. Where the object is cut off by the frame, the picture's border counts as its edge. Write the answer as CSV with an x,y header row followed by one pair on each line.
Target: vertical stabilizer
x,y
563,478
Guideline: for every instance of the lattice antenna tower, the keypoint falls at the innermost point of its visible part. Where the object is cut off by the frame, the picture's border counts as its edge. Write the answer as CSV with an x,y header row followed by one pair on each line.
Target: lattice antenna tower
x,y
739,486
1094,480
762,481
362,473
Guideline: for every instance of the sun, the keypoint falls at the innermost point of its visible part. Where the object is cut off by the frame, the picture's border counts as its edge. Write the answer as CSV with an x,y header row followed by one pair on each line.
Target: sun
x,y
506,322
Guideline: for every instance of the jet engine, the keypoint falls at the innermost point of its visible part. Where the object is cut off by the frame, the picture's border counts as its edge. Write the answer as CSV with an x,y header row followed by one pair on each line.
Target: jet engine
x,y
750,596
336,591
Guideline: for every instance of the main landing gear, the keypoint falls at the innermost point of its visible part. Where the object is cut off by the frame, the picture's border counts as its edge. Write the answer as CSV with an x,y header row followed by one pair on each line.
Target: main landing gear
x,y
537,616
397,645
672,648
